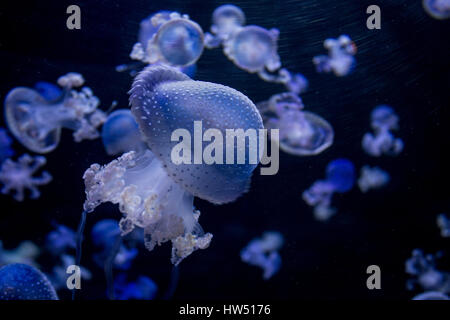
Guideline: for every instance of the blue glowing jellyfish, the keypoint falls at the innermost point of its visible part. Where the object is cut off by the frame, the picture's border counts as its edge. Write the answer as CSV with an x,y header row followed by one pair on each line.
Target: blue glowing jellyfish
x,y
431,295
120,133
301,132
18,176
26,252
143,288
443,223
372,178
60,240
155,191
383,120
438,9
48,91
340,178
23,282
263,253
169,38
226,20
340,59
5,145
37,122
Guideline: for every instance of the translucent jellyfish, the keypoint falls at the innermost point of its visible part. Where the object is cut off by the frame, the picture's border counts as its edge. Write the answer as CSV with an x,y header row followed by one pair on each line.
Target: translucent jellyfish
x,y
36,122
301,132
156,193
438,9
340,59
18,176
383,120
372,178
169,38
60,240
5,145
425,274
49,91
26,252
340,178
263,252
23,282
443,223
226,20
143,288
120,133
431,295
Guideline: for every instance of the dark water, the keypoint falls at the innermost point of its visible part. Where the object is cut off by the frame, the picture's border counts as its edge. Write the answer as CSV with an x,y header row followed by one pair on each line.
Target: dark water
x,y
405,64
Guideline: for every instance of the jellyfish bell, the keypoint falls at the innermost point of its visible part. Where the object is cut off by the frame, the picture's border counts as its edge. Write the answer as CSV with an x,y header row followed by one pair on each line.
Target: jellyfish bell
x,y
226,19
23,282
384,117
120,133
148,27
341,174
438,9
431,295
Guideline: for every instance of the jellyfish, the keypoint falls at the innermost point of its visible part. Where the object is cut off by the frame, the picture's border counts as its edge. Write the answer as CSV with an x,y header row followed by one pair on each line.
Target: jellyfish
x,y
422,268
5,145
383,120
263,252
340,59
438,9
120,133
18,176
143,288
340,178
169,38
23,282
60,240
372,178
36,122
48,91
226,20
301,132
153,191
443,223
26,252
431,295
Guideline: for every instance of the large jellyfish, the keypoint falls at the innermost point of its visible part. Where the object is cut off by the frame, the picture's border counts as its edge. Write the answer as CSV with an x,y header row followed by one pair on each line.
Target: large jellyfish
x,y
263,253
340,59
26,252
153,191
23,282
383,120
372,178
36,122
169,38
120,133
340,178
443,223
5,145
143,288
438,9
251,48
18,176
301,132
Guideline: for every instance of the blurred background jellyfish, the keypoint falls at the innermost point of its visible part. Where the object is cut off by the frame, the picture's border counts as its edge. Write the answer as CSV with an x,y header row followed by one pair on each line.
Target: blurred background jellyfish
x,y
372,178
60,240
443,223
143,288
263,252
5,145
340,178
49,91
438,9
422,268
431,295
23,282
58,275
383,120
26,252
154,192
18,176
301,132
340,59
226,20
120,133
169,38
36,122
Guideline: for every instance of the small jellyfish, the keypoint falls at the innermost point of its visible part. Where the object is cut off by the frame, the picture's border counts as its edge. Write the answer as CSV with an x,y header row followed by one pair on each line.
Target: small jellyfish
x,y
169,38
301,132
143,288
23,282
340,178
60,240
438,9
443,223
431,295
120,133
5,145
153,191
36,122
226,20
18,176
383,120
340,59
372,178
26,252
263,252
